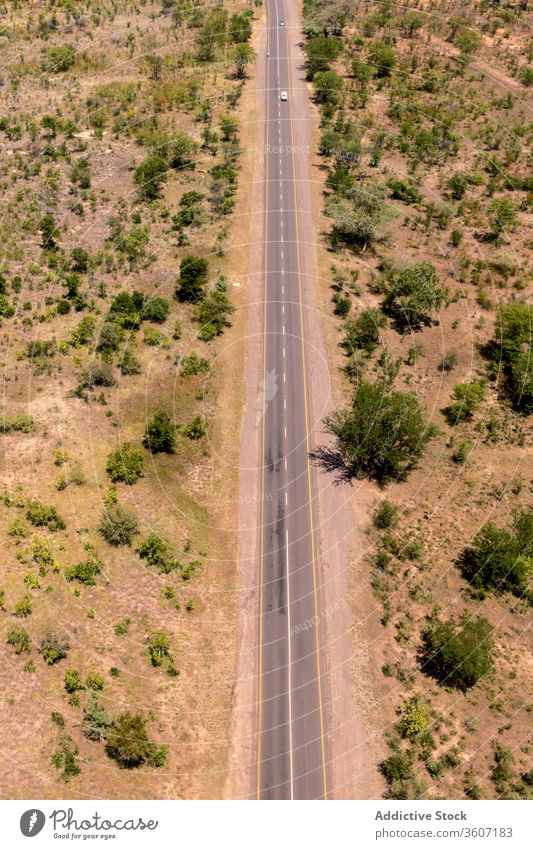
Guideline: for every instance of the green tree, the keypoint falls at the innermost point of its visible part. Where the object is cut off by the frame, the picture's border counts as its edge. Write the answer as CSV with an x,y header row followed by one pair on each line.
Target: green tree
x,y
150,175
126,464
510,352
364,332
242,56
212,314
458,654
160,434
61,58
413,294
182,151
501,560
240,27
383,434
159,648
502,214
193,278
49,232
468,398
328,86
358,217
383,57
321,51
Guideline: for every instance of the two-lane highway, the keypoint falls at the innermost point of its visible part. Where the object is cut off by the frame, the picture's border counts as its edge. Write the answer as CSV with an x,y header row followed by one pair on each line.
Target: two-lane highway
x,y
291,747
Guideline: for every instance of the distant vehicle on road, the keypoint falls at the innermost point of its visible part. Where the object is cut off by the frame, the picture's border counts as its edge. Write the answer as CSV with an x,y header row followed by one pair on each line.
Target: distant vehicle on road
x,y
283,95
282,23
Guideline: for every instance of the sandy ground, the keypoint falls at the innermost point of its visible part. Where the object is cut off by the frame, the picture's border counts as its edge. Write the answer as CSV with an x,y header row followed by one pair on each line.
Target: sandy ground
x,y
345,659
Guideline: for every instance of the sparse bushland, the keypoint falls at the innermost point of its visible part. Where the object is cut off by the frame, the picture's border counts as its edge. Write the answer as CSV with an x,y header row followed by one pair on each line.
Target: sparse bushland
x,y
415,122
104,194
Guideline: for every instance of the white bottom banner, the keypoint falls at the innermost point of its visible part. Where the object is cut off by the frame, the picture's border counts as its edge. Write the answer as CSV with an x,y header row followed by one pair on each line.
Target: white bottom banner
x,y
263,825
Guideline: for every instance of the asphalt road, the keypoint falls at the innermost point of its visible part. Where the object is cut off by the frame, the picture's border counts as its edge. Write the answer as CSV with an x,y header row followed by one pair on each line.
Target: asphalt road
x,y
291,750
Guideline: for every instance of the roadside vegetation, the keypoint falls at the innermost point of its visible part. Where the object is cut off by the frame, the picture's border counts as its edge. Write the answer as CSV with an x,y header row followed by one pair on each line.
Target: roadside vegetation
x,y
120,169
423,139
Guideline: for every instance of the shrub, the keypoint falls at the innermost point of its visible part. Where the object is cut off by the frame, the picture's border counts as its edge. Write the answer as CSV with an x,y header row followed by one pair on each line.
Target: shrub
x,y
94,681
385,516
72,681
458,654
95,722
126,464
513,345
414,718
156,309
461,453
84,332
158,648
110,338
404,190
22,423
18,638
157,552
129,364
128,743
126,309
383,434
502,214
98,374
193,278
160,434
196,429
413,294
150,176
65,758
212,314
23,608
363,332
40,515
501,560
193,364
53,648
118,525
397,767
468,398
61,58
86,571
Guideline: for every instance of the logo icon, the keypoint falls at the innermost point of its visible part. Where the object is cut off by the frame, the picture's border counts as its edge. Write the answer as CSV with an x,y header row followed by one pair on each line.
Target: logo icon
x,y
32,822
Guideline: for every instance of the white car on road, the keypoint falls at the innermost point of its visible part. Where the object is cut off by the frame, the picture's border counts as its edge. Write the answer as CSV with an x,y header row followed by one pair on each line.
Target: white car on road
x,y
283,95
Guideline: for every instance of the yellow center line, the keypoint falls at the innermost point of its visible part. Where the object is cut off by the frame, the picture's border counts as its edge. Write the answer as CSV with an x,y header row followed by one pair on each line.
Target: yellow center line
x,y
306,418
